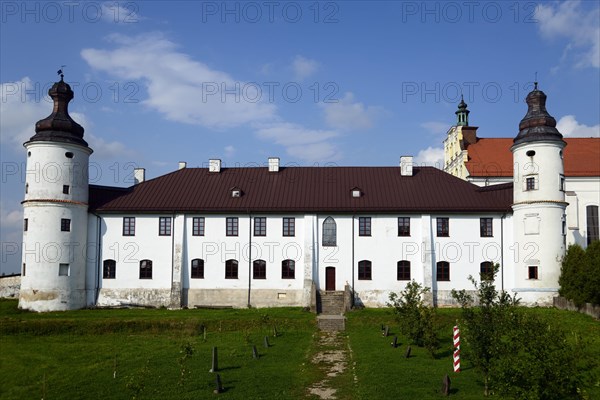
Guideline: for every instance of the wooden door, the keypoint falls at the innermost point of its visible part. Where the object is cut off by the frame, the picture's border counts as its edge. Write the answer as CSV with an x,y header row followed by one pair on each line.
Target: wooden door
x,y
330,278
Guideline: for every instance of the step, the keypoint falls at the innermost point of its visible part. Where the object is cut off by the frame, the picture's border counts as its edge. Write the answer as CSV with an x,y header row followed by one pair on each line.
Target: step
x,y
331,322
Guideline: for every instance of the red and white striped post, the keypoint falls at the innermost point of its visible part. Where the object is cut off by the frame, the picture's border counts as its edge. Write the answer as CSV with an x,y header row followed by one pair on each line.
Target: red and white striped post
x,y
456,349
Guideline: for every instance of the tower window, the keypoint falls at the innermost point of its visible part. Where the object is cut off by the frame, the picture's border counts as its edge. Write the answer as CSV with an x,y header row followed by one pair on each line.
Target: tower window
x,y
530,183
25,225
198,268
232,226
532,272
485,227
364,226
198,226
68,154
146,269
109,269
65,225
65,189
530,153
128,226
24,268
164,226
443,227
63,269
561,182
26,188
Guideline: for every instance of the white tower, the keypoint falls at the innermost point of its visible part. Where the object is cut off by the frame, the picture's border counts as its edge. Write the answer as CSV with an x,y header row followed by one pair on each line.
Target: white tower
x,y
539,203
55,211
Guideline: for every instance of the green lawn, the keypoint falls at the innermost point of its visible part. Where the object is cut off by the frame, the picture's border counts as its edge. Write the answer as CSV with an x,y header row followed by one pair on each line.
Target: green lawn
x,y
74,355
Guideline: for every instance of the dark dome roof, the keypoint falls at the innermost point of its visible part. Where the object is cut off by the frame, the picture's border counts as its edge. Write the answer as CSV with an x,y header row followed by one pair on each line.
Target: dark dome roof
x,y
537,124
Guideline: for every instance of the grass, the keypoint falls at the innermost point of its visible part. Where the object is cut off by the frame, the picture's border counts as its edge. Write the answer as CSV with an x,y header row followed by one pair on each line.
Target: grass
x,y
68,355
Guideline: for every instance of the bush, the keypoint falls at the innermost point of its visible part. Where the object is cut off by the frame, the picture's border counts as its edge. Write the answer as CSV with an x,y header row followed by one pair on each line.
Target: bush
x,y
580,274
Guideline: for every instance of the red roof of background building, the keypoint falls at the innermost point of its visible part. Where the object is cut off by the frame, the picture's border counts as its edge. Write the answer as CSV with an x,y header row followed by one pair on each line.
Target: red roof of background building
x,y
304,189
491,157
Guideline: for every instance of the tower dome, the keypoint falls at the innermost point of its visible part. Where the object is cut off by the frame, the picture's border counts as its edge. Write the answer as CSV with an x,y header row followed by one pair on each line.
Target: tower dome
x,y
462,114
537,124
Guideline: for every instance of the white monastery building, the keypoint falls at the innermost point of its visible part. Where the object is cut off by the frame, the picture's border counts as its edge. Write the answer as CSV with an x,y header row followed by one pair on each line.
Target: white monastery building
x,y
279,236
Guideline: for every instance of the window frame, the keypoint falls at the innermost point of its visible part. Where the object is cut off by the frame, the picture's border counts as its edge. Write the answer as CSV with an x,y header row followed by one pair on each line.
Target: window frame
x,y
329,236
401,270
146,269
364,226
65,225
198,226
164,226
231,269
402,224
128,226
232,226
259,269
289,227
260,226
197,270
530,183
442,226
442,271
486,227
288,269
109,269
365,270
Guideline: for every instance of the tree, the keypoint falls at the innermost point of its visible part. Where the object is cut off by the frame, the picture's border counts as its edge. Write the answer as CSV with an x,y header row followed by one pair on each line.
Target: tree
x,y
484,325
414,316
592,273
572,279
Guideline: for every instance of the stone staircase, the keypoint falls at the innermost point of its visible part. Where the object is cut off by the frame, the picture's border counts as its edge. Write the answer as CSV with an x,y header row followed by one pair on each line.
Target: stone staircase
x,y
331,310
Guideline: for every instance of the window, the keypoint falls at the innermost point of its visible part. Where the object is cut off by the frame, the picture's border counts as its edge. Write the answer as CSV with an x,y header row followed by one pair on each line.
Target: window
x,y
65,189
128,226
561,182
532,272
329,232
146,269
232,226
63,269
231,269
593,229
68,154
485,227
259,269
288,269
24,268
443,227
289,226
109,269
25,224
364,270
403,226
65,225
197,268
198,226
486,271
260,226
26,188
164,226
530,183
443,271
364,226
403,270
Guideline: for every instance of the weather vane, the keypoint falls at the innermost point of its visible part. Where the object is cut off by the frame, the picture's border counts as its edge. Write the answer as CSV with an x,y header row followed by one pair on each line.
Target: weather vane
x,y
60,72
535,82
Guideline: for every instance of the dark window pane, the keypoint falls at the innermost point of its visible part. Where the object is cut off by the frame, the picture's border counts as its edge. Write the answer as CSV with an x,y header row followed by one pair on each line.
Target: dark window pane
x,y
443,271
443,227
486,271
259,269
128,226
232,226
329,232
288,269
364,226
260,226
109,270
593,229
65,225
485,227
404,226
198,226
231,269
364,270
164,226
289,226
403,270
197,268
146,269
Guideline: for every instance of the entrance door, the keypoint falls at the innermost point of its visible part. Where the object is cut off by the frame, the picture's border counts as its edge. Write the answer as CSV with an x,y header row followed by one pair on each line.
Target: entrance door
x,y
330,278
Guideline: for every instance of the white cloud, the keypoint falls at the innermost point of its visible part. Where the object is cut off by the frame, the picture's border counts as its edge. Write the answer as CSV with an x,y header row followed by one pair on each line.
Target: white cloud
x,y
183,89
229,151
435,128
580,27
431,156
311,145
348,114
304,67
569,127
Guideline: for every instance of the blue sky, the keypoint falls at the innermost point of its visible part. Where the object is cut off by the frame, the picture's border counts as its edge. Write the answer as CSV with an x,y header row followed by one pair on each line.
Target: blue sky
x,y
314,83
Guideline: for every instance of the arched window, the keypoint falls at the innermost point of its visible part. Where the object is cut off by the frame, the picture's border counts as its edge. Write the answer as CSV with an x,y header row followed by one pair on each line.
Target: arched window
x,y
231,269
198,268
403,270
486,271
364,270
109,269
329,232
593,229
288,269
443,271
259,269
146,269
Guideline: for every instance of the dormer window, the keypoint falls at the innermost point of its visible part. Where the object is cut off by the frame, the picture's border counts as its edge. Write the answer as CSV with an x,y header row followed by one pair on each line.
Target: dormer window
x,y
356,192
236,192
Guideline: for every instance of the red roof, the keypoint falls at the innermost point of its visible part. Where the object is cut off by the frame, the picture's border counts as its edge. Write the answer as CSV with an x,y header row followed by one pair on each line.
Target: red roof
x,y
303,189
491,157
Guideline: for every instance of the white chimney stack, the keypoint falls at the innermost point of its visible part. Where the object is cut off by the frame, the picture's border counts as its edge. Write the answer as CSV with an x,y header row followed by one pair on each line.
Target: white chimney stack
x,y
406,165
139,175
273,164
182,164
214,165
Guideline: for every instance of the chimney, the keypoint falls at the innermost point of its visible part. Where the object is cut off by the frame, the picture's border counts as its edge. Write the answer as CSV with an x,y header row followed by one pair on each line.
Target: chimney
x,y
139,175
406,165
273,164
182,164
214,165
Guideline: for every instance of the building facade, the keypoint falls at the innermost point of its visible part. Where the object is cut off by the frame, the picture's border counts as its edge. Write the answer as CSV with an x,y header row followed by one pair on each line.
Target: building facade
x,y
272,236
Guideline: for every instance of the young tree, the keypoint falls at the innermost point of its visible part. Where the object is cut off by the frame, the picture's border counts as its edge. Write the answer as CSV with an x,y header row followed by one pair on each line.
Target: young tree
x,y
484,325
572,279
414,316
